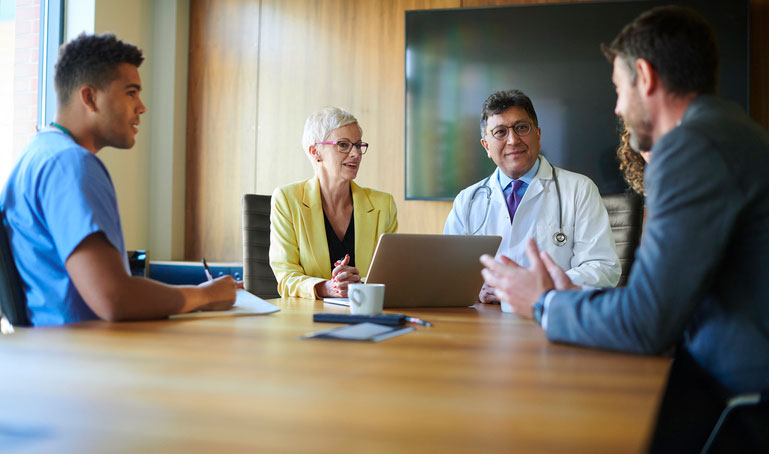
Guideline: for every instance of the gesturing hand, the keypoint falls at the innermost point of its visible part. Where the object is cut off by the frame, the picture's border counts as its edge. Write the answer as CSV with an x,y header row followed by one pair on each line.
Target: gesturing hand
x,y
561,280
514,284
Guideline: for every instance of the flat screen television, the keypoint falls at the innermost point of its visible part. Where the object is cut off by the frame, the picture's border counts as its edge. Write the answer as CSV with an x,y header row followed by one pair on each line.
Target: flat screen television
x,y
455,58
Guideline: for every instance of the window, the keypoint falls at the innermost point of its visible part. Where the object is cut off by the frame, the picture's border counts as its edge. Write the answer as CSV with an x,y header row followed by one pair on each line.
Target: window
x,y
30,33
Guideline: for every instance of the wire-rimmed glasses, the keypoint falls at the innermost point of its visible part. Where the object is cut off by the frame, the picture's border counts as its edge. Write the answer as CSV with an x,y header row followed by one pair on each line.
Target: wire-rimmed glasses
x,y
521,128
345,146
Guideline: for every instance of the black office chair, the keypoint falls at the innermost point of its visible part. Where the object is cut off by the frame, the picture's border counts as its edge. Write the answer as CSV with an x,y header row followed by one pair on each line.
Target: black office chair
x,y
626,212
749,413
258,277
13,305
697,414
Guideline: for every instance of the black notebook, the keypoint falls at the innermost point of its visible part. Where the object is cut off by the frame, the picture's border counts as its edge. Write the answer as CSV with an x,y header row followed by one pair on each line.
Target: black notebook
x,y
368,332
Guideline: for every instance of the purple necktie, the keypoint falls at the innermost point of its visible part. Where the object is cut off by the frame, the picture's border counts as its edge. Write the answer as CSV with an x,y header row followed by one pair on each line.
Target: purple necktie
x,y
513,199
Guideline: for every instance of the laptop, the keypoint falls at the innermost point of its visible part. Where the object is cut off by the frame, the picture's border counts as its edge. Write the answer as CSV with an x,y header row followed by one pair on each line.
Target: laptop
x,y
430,270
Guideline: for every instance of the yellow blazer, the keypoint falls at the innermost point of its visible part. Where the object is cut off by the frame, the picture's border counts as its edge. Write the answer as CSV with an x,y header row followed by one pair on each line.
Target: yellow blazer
x,y
298,247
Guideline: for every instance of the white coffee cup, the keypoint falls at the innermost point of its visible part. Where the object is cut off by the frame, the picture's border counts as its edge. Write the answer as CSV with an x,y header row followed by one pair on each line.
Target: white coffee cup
x,y
366,299
506,307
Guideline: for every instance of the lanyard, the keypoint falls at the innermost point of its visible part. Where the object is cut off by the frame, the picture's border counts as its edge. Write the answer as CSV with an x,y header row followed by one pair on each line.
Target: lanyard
x,y
62,129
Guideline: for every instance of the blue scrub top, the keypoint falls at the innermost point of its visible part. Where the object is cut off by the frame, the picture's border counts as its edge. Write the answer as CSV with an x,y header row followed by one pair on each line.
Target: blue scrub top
x,y
57,194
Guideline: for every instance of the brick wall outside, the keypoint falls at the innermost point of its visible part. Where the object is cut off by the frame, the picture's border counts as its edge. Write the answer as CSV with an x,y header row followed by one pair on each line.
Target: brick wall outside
x,y
27,48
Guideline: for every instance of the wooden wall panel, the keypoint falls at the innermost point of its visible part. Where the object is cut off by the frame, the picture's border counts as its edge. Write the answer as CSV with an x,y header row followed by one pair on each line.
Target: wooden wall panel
x,y
221,125
258,68
344,53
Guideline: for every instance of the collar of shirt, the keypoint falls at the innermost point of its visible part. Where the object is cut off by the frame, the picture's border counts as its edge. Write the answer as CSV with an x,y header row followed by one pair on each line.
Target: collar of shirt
x,y
504,180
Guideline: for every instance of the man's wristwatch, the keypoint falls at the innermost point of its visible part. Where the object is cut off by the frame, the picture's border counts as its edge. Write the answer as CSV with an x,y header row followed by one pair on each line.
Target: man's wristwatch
x,y
537,309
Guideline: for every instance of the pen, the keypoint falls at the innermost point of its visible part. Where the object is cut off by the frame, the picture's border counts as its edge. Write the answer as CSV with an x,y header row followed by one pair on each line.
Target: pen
x,y
207,270
417,321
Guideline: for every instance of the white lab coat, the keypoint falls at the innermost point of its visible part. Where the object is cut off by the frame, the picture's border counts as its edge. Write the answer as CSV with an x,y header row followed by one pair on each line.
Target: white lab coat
x,y
589,255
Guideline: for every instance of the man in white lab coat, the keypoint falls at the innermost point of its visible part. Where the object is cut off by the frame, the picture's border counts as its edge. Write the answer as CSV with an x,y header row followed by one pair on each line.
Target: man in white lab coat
x,y
521,199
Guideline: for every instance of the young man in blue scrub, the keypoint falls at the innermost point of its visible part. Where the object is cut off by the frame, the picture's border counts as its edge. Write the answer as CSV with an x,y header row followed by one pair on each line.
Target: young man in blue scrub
x,y
60,207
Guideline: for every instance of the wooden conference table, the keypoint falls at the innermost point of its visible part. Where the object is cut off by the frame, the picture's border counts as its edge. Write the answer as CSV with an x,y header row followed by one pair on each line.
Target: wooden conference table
x,y
479,381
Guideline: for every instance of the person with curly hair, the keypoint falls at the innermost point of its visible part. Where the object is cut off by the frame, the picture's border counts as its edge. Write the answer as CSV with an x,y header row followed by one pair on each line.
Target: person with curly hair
x,y
632,163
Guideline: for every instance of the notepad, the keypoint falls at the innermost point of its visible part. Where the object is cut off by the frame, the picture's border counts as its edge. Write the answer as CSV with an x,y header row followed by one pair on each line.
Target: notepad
x,y
337,301
246,303
367,332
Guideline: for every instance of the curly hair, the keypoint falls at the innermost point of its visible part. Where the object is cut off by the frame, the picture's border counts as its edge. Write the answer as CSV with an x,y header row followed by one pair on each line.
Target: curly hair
x,y
632,164
91,60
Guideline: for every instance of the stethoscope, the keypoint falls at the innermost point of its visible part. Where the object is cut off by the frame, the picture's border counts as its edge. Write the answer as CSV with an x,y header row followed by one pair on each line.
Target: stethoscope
x,y
559,238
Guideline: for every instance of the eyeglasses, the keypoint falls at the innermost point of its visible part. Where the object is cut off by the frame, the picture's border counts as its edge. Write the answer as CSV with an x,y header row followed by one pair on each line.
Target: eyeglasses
x,y
522,128
345,146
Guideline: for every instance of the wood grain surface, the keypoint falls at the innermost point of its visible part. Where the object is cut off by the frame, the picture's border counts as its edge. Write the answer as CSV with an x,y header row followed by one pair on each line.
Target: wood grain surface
x,y
478,381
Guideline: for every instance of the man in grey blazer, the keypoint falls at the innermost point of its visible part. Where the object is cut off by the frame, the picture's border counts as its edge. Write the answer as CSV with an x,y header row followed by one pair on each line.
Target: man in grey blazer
x,y
701,275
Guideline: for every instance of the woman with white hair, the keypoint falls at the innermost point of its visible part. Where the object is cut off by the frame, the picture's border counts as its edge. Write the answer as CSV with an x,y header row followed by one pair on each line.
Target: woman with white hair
x,y
324,230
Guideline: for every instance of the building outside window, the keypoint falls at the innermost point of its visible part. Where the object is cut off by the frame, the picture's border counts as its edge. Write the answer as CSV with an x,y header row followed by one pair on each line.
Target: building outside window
x,y
25,103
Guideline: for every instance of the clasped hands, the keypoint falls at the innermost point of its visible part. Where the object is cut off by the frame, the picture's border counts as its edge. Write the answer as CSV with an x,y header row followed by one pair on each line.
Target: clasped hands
x,y
521,287
341,276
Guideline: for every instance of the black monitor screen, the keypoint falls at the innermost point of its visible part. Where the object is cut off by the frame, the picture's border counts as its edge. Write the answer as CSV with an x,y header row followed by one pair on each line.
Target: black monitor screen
x,y
456,58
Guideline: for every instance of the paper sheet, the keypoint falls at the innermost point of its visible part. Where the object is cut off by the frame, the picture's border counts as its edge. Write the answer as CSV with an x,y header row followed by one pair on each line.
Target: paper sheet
x,y
337,301
245,304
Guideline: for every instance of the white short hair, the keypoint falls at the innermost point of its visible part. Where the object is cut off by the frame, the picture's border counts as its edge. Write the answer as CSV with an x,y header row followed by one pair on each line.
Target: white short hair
x,y
320,124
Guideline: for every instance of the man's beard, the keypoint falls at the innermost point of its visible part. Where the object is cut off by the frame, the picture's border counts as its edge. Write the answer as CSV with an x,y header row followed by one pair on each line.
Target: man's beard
x,y
640,133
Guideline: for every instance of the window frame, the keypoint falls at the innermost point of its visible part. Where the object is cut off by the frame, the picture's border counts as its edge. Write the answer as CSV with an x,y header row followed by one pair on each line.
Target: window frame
x,y
51,37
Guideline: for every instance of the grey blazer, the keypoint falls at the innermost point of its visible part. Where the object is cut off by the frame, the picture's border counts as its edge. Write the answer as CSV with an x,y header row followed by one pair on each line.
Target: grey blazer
x,y
701,275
